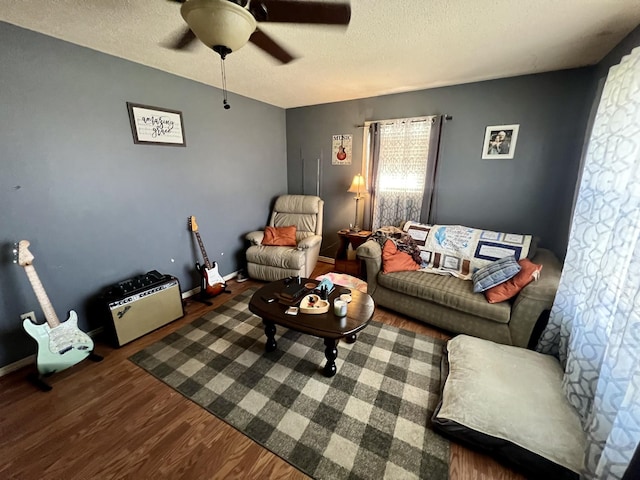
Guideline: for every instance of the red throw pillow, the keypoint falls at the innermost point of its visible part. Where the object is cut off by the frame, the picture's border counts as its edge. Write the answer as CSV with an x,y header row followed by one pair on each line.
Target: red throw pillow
x,y
510,288
394,260
280,236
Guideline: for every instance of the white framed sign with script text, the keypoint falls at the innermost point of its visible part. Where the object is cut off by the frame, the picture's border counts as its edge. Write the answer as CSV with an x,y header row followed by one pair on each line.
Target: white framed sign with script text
x,y
156,126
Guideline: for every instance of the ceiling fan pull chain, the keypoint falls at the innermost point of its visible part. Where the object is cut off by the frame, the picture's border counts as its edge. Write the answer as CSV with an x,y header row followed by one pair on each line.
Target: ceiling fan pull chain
x,y
224,84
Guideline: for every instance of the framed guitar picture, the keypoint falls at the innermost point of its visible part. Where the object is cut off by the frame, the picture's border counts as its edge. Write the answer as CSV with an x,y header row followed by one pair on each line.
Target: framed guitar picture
x,y
156,126
341,149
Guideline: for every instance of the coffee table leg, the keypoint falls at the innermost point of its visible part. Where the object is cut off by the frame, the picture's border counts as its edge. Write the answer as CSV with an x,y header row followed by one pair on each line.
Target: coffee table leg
x,y
350,338
331,353
270,331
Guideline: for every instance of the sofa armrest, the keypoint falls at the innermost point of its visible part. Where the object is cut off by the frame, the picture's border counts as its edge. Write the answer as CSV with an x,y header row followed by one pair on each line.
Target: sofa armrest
x,y
371,253
255,238
309,242
535,298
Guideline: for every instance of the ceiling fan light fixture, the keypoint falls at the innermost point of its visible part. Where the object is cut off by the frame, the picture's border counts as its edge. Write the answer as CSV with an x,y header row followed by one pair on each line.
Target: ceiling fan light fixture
x,y
219,22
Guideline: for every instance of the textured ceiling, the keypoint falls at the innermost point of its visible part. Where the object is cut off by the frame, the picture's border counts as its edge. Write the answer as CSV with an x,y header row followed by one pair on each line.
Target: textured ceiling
x,y
390,46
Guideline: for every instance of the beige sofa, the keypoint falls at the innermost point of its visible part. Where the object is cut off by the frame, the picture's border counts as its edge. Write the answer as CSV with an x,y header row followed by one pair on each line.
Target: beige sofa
x,y
449,303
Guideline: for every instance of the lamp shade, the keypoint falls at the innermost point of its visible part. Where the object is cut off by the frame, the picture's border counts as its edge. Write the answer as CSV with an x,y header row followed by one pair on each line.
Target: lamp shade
x,y
358,186
219,22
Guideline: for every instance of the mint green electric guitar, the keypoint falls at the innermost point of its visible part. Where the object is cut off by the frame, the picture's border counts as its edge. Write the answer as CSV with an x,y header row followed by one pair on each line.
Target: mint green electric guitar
x,y
60,345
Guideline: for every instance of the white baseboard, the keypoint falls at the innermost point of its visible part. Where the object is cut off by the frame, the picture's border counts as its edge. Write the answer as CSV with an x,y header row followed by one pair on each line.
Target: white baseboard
x,y
190,293
31,359
12,367
327,260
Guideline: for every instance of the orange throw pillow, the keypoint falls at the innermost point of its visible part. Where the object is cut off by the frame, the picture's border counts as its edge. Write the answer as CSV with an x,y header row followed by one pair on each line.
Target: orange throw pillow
x,y
510,288
394,260
280,236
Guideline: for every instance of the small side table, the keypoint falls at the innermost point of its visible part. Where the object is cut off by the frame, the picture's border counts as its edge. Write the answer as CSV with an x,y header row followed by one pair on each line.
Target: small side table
x,y
355,239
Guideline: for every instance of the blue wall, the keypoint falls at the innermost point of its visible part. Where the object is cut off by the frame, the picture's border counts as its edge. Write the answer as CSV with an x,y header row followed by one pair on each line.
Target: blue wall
x,y
532,193
97,208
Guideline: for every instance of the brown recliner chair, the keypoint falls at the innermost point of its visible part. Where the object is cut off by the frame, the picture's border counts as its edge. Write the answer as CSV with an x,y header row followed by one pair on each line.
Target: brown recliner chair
x,y
271,263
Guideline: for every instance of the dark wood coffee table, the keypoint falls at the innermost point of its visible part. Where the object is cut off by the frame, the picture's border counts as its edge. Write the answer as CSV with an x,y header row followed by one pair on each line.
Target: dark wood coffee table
x,y
325,325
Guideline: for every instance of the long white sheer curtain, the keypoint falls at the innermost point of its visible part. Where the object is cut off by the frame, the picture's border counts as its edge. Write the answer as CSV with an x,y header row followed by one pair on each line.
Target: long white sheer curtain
x,y
400,170
594,326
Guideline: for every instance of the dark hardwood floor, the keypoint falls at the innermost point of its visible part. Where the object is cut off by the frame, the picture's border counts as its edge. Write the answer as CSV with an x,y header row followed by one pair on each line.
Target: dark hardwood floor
x,y
111,420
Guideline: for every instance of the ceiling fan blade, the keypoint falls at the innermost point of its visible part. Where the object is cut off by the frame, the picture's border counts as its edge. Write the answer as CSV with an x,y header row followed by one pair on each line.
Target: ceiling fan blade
x,y
185,40
295,11
266,43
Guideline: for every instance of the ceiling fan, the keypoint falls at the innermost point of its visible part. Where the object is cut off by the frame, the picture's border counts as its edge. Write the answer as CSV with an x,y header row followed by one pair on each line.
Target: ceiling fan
x,y
227,25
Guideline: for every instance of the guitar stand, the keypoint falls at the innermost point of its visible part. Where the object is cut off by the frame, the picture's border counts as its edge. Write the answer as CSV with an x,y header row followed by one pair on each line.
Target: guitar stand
x,y
202,296
94,357
38,379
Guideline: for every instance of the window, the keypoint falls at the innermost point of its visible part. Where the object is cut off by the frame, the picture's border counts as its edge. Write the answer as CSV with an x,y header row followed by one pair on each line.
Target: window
x,y
402,168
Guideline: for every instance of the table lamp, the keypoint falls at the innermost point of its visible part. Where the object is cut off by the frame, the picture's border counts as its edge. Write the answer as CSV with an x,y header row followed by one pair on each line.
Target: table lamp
x,y
359,188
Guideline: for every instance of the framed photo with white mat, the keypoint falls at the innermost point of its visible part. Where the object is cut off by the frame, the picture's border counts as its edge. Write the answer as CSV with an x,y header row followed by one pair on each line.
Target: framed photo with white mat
x,y
500,141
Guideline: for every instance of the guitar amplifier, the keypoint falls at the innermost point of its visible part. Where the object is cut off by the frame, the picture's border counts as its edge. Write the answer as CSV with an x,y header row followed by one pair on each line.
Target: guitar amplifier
x,y
142,304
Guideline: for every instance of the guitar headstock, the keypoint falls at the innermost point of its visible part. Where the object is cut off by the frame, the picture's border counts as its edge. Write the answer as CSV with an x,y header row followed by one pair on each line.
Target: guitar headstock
x,y
24,256
193,226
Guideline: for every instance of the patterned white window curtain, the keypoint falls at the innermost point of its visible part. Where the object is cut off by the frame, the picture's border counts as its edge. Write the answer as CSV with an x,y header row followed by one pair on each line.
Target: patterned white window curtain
x,y
594,326
400,173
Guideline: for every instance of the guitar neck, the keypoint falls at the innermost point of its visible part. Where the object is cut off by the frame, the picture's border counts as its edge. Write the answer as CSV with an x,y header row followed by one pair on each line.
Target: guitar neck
x,y
207,263
41,295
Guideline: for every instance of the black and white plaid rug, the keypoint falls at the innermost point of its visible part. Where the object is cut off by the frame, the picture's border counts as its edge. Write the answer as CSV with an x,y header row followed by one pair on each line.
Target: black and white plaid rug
x,y
370,421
